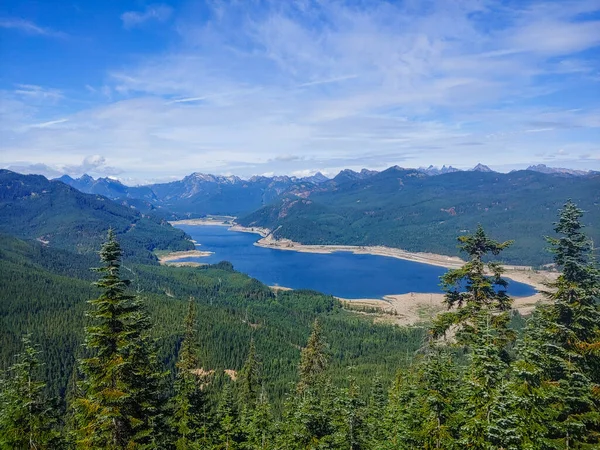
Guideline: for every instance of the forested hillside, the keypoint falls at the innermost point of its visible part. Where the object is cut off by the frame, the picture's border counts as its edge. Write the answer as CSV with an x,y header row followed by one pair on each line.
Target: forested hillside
x,y
60,216
306,374
44,291
407,209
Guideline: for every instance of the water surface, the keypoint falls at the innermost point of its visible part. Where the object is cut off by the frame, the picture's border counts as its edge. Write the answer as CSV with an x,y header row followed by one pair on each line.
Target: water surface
x,y
342,274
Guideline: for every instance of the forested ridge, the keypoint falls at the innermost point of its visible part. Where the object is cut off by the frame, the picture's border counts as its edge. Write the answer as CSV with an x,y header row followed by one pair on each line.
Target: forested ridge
x,y
145,367
32,207
407,209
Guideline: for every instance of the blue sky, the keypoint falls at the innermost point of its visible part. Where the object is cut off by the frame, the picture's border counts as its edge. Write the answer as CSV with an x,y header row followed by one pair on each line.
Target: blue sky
x,y
149,91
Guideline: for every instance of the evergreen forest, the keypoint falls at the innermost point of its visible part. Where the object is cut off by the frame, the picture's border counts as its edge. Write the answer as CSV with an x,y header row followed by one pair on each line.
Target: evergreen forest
x,y
134,355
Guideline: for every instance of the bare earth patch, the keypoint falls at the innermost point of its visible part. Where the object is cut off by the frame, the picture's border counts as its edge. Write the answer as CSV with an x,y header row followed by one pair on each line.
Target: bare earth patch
x,y
174,256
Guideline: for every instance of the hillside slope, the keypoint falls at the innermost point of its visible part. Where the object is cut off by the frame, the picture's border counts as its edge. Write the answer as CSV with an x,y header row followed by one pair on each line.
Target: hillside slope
x,y
60,216
407,209
44,291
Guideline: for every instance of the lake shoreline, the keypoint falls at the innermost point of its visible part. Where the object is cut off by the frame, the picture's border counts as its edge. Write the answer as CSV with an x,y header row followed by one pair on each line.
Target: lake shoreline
x,y
174,256
522,274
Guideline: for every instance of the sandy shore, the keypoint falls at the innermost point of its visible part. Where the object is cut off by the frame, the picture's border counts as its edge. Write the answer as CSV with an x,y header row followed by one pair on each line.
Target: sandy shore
x,y
413,308
218,222
276,288
264,232
185,264
174,256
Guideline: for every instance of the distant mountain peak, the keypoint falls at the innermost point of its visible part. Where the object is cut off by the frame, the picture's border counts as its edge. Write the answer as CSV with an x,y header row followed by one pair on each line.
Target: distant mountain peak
x,y
368,173
481,168
316,178
433,170
543,168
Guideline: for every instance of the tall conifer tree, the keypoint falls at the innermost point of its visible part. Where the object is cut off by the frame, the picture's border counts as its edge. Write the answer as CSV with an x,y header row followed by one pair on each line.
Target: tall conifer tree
x,y
476,295
117,406
189,403
27,419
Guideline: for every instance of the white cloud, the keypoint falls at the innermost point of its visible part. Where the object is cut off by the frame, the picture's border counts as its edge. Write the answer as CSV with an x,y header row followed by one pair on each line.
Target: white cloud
x,y
29,27
158,13
92,165
34,92
49,123
286,89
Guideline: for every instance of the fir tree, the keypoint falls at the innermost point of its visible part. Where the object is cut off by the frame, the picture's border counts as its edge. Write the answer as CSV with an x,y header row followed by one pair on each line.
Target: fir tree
x,y
117,407
189,403
437,398
350,418
309,413
27,419
401,421
552,399
520,419
313,359
575,294
477,294
260,428
376,411
573,321
476,286
227,430
249,381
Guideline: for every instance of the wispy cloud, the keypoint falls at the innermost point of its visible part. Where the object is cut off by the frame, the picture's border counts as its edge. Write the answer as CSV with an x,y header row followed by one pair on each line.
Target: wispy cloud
x,y
35,92
157,13
92,165
256,87
29,27
48,124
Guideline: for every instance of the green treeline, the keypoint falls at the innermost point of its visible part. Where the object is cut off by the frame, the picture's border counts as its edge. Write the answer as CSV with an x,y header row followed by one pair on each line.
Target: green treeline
x,y
472,381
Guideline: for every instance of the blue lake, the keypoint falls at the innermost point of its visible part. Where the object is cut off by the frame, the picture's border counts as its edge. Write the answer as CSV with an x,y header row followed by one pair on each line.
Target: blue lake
x,y
342,274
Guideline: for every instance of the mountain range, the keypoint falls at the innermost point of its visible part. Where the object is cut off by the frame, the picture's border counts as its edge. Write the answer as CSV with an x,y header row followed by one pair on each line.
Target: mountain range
x,y
408,209
421,209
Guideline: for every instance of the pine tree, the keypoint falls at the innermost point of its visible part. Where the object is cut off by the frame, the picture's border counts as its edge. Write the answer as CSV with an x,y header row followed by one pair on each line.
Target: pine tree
x,y
477,294
189,403
574,325
260,429
27,419
309,412
117,406
227,431
313,359
476,286
249,381
350,418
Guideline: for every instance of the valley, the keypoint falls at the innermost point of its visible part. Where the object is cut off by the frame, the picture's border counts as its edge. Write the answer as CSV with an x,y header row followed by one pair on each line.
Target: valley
x,y
259,292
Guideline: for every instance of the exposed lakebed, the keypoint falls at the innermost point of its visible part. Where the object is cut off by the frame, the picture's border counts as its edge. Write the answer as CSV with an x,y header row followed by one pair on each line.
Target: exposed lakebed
x,y
342,274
